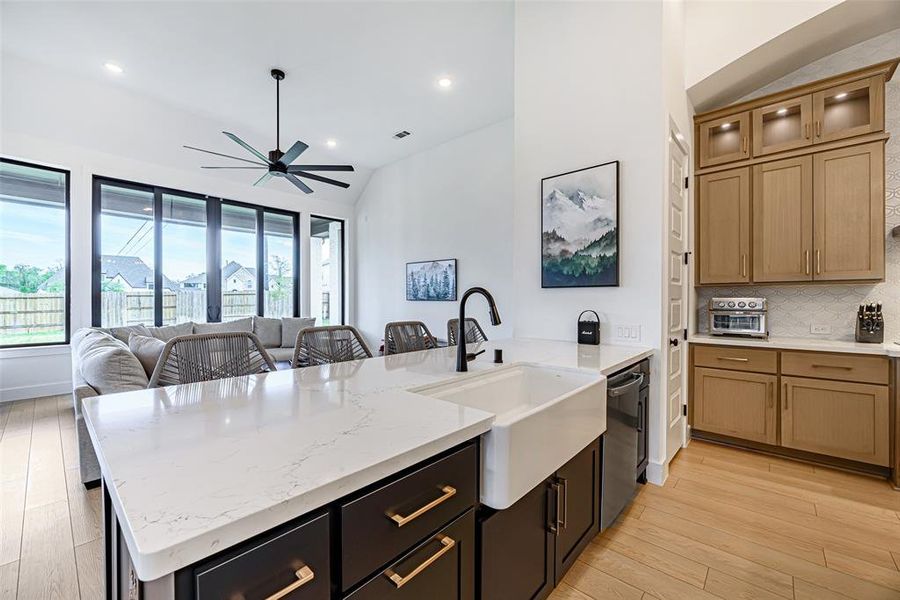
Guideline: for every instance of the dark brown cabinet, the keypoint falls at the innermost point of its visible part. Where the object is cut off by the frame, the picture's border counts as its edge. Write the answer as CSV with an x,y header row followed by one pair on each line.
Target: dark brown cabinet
x,y
527,548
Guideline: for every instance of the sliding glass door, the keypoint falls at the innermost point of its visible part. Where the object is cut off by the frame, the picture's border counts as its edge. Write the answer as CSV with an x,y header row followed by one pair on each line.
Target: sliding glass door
x,y
326,263
239,258
279,247
184,285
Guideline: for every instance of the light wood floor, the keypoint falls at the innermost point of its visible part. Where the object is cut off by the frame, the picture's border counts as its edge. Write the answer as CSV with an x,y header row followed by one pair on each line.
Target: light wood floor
x,y
727,525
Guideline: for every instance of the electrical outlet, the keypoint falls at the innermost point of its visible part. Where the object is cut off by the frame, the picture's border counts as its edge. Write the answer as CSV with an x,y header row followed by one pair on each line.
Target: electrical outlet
x,y
820,328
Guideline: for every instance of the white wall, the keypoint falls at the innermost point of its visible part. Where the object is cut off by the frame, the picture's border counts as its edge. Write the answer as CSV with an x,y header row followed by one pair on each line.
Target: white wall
x,y
452,201
90,128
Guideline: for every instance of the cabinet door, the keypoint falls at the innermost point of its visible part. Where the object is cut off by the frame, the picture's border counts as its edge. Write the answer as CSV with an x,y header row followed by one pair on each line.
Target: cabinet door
x,y
517,548
783,220
836,418
724,140
848,194
723,222
737,404
848,110
578,486
782,126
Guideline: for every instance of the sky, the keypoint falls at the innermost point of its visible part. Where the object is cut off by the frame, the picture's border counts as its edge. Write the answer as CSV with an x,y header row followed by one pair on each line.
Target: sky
x,y
32,235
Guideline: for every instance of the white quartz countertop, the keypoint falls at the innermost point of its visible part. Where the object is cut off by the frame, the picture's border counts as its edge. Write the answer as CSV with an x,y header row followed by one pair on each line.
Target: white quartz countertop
x,y
194,469
786,343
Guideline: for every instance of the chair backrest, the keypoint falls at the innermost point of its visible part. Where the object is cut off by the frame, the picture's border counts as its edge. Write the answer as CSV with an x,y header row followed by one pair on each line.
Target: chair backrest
x,y
474,332
407,336
208,356
328,344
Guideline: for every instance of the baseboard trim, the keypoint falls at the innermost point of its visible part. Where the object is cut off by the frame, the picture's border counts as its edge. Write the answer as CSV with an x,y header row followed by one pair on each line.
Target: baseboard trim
x,y
26,392
657,473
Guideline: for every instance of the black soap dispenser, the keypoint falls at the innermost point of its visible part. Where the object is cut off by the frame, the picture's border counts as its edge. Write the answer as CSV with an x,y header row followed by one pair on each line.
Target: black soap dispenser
x,y
589,331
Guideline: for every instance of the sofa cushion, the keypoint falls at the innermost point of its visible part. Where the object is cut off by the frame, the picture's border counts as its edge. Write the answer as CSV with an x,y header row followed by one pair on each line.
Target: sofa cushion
x,y
226,327
281,354
147,350
167,332
122,333
291,326
107,364
268,331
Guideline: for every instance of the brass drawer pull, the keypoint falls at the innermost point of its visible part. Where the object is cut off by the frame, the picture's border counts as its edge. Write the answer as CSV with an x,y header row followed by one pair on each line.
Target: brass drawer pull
x,y
304,575
733,359
842,367
818,262
449,492
807,261
399,580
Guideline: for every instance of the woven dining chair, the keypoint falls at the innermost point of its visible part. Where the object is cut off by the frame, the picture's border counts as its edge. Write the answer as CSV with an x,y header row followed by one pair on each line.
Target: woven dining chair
x,y
407,336
209,356
474,332
328,344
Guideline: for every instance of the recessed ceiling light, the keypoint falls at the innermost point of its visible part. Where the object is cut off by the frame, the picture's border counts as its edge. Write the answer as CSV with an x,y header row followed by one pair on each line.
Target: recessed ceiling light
x,y
726,125
331,143
841,96
113,68
445,82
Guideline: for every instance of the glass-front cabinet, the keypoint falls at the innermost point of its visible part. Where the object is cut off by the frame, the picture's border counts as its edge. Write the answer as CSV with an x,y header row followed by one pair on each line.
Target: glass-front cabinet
x,y
848,110
782,126
724,140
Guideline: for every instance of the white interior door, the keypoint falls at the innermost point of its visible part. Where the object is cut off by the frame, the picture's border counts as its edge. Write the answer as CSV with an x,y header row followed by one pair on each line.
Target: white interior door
x,y
676,298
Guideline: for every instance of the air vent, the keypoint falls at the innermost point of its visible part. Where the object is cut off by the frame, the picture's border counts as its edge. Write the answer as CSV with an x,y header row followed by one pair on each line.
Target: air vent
x,y
401,134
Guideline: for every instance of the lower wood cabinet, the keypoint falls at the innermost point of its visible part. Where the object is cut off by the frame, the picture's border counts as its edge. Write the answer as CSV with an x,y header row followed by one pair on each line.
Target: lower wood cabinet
x,y
736,404
527,548
836,418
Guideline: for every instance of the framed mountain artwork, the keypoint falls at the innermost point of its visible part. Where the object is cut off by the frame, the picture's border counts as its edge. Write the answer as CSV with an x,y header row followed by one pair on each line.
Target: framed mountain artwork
x,y
580,228
431,280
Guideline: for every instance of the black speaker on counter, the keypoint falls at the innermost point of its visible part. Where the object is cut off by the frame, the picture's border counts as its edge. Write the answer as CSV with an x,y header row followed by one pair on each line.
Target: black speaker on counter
x,y
589,331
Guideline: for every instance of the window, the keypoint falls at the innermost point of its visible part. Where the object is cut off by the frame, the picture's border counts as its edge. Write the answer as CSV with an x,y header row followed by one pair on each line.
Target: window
x,y
34,255
326,262
164,257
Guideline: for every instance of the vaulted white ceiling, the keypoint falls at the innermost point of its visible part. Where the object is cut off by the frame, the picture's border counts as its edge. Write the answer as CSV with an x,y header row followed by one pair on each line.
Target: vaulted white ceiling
x,y
357,72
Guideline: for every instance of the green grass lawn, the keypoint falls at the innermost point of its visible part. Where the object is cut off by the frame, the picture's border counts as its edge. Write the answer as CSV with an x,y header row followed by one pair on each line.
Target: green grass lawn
x,y
51,336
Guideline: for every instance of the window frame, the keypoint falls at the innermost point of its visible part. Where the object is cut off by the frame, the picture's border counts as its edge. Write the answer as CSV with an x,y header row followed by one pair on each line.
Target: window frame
x,y
343,223
213,248
68,251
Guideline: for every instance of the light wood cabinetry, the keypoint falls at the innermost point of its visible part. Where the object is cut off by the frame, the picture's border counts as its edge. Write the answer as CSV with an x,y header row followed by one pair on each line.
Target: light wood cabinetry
x,y
836,418
723,219
725,139
736,358
848,212
849,109
843,367
737,404
782,126
782,220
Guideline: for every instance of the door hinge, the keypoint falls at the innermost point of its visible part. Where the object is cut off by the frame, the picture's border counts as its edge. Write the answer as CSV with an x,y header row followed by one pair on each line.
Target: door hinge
x,y
684,409
686,179
684,333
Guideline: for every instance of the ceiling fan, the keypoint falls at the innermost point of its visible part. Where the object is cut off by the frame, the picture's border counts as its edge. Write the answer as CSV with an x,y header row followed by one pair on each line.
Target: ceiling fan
x,y
278,163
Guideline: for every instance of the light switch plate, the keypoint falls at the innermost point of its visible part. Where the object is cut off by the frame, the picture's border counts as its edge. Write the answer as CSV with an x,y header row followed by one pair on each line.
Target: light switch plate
x,y
820,328
629,333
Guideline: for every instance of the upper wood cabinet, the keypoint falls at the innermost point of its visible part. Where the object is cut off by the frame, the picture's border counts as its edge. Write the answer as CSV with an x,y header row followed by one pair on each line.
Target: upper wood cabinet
x,y
725,139
782,126
782,220
723,227
848,213
849,109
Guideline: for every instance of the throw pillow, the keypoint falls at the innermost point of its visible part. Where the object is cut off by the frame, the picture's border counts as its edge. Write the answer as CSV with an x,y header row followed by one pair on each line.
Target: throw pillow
x,y
291,326
108,366
226,327
268,331
167,332
122,333
147,349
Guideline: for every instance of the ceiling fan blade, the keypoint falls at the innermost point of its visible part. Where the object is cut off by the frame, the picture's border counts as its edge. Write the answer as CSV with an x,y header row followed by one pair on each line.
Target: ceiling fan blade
x,y
266,177
322,179
252,162
293,152
259,167
247,147
306,189
296,168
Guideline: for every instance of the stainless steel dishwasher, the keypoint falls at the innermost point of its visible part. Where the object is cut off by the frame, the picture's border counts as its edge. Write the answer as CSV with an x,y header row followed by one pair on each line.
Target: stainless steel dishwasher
x,y
624,443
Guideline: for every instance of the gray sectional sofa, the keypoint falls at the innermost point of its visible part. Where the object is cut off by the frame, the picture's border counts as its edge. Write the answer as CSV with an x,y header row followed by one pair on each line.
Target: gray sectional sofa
x,y
103,363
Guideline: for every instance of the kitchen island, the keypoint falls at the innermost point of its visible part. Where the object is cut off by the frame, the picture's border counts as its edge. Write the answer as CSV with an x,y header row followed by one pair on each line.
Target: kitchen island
x,y
192,471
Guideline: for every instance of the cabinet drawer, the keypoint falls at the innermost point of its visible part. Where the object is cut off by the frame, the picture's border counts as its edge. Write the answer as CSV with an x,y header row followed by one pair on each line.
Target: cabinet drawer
x,y
841,367
440,568
736,358
297,558
379,526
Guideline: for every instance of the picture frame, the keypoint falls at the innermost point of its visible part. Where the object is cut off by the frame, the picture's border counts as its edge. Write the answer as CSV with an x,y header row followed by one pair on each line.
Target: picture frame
x,y
580,227
431,280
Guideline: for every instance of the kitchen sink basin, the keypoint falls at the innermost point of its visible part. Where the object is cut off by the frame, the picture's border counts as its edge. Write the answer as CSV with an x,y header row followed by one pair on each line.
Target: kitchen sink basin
x,y
544,416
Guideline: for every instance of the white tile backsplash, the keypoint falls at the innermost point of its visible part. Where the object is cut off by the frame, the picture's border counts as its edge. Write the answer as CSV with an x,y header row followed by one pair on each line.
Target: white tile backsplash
x,y
798,310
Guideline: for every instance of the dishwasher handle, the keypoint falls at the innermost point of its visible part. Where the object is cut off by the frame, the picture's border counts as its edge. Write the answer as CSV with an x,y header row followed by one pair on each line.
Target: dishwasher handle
x,y
636,381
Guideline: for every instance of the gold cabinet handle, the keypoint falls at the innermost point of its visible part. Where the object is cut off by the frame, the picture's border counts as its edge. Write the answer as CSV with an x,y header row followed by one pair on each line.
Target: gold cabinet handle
x,y
304,575
734,359
806,260
818,262
744,144
806,130
743,265
400,520
400,580
818,128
